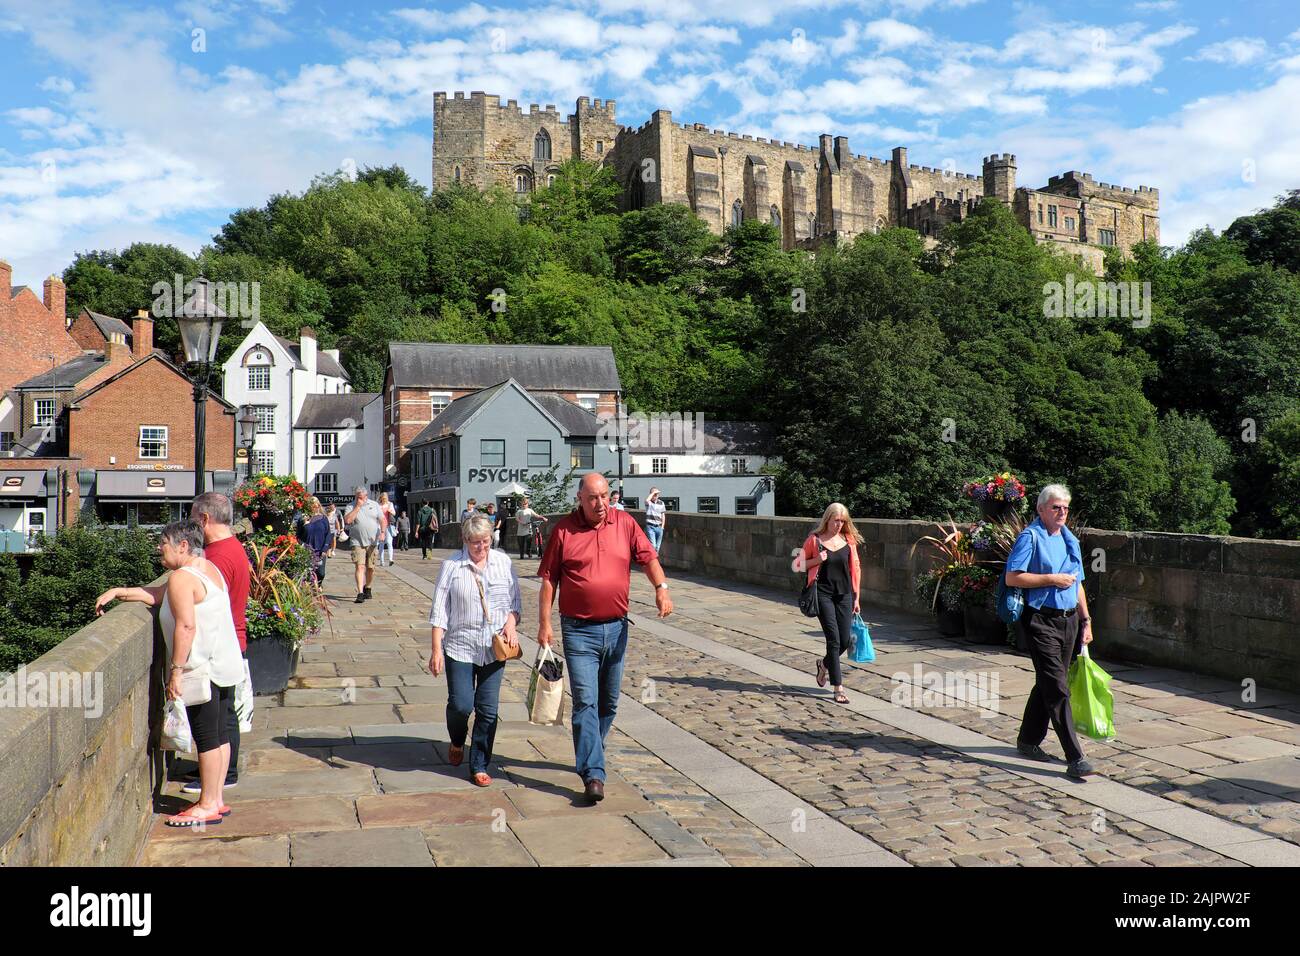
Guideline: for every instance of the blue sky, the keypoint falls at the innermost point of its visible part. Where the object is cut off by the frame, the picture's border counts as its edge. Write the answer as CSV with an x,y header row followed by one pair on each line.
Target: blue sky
x,y
118,122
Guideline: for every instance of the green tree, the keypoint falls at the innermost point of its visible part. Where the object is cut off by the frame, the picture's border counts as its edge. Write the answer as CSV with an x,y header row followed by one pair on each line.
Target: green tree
x,y
1280,451
1198,500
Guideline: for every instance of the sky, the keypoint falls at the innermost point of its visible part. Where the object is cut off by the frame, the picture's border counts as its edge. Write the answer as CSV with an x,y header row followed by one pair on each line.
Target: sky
x,y
139,121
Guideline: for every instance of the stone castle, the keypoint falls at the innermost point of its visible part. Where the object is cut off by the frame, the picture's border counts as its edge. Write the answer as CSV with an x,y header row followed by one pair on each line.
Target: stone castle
x,y
810,193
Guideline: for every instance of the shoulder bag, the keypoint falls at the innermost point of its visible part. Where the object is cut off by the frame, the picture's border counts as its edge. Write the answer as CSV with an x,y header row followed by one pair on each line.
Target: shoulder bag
x,y
501,649
808,597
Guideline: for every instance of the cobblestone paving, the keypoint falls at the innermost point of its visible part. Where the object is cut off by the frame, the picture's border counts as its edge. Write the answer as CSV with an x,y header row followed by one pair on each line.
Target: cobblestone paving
x,y
1168,714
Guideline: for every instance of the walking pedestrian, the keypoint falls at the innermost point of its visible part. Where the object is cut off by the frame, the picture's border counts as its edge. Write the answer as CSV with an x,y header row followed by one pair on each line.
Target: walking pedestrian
x,y
491,513
831,556
336,526
366,524
589,558
404,532
213,512
199,633
318,534
1047,563
470,507
477,596
527,521
426,519
656,513
390,529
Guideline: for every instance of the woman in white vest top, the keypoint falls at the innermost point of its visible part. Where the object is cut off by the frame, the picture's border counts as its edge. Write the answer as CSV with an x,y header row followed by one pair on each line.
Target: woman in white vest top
x,y
201,647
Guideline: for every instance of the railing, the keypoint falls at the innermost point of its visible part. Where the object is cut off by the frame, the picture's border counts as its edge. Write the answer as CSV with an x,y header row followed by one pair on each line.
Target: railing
x,y
16,542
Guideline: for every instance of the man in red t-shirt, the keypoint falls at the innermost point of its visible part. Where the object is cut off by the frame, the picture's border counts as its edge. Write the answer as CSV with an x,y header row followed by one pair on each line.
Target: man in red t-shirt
x,y
213,512
589,556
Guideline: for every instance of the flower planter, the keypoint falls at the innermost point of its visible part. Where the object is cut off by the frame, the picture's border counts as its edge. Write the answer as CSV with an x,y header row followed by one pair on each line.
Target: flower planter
x,y
952,623
993,510
272,664
983,626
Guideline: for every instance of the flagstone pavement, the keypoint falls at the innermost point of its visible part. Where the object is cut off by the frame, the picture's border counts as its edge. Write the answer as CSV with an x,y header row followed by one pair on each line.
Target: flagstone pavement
x,y
726,753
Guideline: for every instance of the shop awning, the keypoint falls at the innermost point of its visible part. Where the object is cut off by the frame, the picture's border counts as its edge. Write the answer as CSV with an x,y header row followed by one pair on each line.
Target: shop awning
x,y
146,485
22,484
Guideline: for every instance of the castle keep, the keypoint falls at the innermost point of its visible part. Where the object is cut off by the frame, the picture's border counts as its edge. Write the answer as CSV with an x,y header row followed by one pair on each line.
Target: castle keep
x,y
810,193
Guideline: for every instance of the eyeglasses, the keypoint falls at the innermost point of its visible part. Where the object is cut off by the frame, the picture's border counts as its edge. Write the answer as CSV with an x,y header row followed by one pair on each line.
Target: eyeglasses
x,y
1060,508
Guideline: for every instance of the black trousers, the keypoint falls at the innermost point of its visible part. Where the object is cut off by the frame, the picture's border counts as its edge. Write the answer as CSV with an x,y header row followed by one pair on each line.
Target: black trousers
x,y
525,545
1051,642
210,723
835,612
426,542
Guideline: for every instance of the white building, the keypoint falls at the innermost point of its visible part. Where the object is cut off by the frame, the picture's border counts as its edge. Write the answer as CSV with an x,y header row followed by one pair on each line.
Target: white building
x,y
339,440
278,379
688,446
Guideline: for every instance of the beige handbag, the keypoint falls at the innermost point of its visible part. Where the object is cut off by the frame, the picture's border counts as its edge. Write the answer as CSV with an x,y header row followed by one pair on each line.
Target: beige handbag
x,y
501,649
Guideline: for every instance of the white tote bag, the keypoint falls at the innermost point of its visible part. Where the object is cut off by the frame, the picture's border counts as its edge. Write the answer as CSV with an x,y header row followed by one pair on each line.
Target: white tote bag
x,y
244,701
176,733
546,694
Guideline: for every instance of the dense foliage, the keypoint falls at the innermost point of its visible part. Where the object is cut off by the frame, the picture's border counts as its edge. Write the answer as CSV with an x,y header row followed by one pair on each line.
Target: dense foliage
x,y
58,596
892,372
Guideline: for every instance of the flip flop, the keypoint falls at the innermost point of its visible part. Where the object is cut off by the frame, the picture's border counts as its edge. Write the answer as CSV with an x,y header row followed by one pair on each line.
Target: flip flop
x,y
481,780
821,674
191,818
225,810
841,698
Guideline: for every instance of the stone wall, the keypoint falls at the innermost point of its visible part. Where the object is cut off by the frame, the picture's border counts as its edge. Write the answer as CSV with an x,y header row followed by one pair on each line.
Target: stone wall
x,y
77,790
1215,605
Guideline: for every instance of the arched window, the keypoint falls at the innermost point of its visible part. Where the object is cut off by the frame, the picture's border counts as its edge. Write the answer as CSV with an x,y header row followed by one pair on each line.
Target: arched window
x,y
550,179
737,213
880,224
812,224
776,218
542,145
457,174
523,183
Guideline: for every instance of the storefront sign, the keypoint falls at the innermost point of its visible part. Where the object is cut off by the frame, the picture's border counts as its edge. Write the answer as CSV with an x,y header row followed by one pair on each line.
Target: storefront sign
x,y
157,467
502,475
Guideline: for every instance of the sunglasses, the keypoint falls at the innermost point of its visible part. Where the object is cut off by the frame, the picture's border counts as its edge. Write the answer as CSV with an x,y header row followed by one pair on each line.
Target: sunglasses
x,y
1060,508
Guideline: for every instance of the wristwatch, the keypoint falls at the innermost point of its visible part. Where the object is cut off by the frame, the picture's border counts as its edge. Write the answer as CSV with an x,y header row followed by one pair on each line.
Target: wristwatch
x,y
662,584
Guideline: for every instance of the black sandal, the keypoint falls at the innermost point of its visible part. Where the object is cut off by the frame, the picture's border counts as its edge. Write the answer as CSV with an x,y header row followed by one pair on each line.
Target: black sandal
x,y
821,674
841,697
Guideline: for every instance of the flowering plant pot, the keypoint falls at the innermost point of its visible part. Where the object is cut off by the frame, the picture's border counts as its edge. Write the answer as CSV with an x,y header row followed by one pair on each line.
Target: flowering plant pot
x,y
951,622
983,626
272,664
271,502
997,495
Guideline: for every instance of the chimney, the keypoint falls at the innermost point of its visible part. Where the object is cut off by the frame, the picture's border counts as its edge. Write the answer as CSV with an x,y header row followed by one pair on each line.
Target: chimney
x,y
141,334
6,276
115,350
307,352
56,299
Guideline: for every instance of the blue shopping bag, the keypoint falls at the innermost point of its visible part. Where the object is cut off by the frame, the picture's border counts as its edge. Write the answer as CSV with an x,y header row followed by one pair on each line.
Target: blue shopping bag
x,y
863,652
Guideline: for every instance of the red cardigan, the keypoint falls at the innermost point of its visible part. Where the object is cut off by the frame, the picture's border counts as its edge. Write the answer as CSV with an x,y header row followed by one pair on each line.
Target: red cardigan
x,y
855,568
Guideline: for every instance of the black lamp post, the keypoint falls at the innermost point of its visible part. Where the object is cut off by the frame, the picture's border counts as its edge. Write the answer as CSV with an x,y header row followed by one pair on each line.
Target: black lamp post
x,y
247,436
200,324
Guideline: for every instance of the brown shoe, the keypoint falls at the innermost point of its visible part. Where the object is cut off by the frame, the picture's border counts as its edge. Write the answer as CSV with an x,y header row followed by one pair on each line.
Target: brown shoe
x,y
455,755
595,791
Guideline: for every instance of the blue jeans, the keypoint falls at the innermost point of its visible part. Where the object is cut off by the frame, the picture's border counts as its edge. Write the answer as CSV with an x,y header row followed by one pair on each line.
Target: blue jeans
x,y
655,532
594,655
474,687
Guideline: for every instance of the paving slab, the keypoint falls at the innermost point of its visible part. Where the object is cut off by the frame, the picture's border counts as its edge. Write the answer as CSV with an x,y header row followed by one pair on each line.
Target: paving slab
x,y
1246,748
436,777
283,759
1157,733
346,781
588,840
476,845
314,737
1280,775
396,733
387,846
1180,756
445,808
246,851
400,756
678,842
268,817
620,798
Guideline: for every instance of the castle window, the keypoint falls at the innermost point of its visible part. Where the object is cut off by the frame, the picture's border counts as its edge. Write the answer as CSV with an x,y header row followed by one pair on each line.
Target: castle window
x,y
457,174
1106,236
925,227
1040,214
737,213
939,194
600,147
523,183
1069,224
542,145
812,225
776,218
1051,216
550,179
880,223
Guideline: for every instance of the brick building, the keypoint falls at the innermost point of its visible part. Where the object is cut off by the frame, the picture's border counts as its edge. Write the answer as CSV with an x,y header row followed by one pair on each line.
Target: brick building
x,y
423,378
809,193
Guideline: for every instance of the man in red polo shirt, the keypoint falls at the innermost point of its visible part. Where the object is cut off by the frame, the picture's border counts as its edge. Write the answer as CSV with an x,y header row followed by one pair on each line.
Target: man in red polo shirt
x,y
589,557
213,512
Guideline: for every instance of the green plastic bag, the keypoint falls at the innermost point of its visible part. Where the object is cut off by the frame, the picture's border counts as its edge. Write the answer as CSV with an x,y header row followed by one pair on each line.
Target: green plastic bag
x,y
1091,702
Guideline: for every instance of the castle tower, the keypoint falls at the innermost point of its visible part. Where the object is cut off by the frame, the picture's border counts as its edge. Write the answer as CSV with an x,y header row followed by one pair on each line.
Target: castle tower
x,y
1000,177
459,139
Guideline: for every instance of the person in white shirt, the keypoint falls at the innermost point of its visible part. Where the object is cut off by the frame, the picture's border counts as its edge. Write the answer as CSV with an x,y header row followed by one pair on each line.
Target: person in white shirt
x,y
616,501
655,518
477,596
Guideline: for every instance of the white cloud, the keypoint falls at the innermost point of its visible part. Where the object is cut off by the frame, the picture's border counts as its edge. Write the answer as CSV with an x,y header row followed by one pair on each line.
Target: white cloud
x,y
1238,51
261,32
1097,58
57,84
894,35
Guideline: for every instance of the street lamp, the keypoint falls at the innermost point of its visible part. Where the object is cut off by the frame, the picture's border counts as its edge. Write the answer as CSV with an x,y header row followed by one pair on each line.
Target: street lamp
x,y
200,324
247,435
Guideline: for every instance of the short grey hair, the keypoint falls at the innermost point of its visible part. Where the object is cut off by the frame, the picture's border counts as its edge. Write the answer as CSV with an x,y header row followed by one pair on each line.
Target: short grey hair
x,y
1053,493
361,490
215,505
186,531
476,526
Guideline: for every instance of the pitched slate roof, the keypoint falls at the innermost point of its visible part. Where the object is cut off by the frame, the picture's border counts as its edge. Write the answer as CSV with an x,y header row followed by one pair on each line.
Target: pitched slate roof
x,y
69,373
546,367
325,364
455,415
335,411
580,422
107,324
720,438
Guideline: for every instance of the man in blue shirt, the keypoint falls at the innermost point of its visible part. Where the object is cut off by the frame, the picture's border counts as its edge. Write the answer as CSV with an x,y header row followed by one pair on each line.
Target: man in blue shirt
x,y
1047,563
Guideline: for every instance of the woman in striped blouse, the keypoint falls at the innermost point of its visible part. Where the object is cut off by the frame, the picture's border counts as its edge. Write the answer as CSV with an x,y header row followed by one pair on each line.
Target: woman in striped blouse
x,y
476,575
